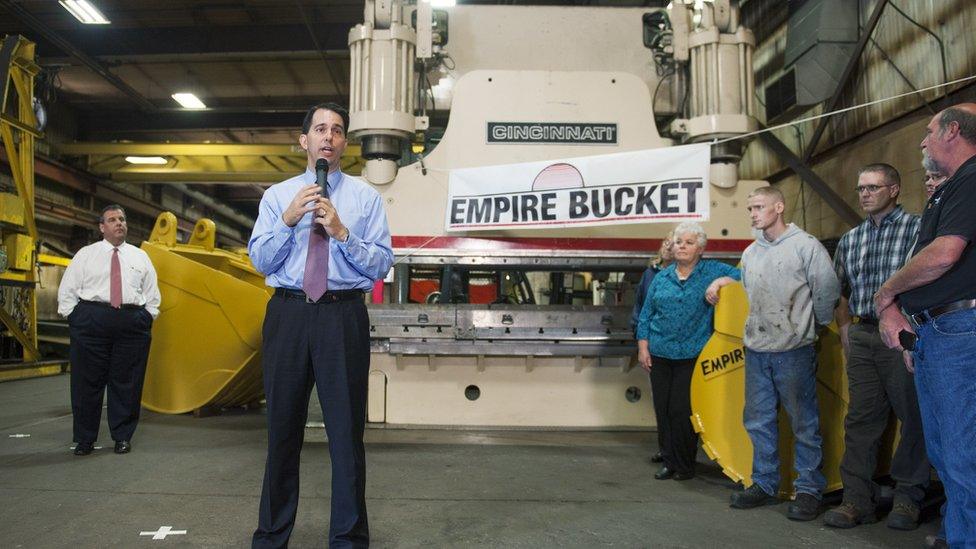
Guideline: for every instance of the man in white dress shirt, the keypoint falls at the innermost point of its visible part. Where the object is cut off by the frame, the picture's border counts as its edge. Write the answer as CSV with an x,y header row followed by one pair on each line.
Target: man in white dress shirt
x,y
110,298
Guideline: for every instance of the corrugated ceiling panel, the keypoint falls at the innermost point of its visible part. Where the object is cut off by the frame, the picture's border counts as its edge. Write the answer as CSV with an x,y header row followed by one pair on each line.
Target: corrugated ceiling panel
x,y
906,47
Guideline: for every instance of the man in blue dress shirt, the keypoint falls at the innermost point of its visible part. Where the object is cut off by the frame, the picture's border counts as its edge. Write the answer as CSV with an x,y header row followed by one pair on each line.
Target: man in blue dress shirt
x,y
321,252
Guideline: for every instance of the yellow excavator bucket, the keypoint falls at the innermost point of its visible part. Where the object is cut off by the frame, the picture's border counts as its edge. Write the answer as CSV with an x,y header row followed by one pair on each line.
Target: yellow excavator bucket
x,y
206,346
718,399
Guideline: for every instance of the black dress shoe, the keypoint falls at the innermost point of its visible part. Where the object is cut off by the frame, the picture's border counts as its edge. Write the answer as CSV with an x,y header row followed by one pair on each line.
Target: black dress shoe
x,y
123,447
657,458
664,473
684,475
84,448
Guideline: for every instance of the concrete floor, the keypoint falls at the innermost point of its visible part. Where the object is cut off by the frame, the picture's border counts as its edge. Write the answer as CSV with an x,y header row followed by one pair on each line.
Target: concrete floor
x,y
426,488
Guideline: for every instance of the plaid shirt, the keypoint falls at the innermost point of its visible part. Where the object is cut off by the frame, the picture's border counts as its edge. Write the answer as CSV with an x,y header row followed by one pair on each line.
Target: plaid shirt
x,y
867,255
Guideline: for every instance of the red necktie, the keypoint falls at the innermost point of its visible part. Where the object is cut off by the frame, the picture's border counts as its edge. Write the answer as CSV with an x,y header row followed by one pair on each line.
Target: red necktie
x,y
115,291
316,278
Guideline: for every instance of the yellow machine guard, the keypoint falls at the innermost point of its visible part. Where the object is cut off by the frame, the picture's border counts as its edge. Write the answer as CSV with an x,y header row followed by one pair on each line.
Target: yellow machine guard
x,y
718,399
206,348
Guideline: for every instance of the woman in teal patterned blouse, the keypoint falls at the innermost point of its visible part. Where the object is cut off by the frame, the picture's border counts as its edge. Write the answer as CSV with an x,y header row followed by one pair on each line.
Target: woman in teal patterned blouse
x,y
675,323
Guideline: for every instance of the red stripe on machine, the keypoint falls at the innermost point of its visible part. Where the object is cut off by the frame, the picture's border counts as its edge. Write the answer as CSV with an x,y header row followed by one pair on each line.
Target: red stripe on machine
x,y
464,243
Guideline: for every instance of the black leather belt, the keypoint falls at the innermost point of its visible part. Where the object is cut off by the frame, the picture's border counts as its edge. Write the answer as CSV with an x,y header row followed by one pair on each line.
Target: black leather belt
x,y
328,297
866,320
929,314
109,305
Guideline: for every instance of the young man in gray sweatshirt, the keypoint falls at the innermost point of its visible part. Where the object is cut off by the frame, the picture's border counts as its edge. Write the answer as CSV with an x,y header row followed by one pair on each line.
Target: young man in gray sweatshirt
x,y
792,289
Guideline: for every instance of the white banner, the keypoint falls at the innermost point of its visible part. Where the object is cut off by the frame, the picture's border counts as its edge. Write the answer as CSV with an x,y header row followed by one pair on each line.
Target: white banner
x,y
658,185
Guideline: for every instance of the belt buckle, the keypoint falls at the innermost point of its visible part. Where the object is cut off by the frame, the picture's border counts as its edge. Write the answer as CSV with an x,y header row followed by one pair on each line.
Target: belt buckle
x,y
308,299
919,318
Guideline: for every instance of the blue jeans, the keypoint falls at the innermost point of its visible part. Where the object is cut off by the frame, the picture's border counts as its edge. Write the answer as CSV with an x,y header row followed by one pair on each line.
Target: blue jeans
x,y
945,378
788,378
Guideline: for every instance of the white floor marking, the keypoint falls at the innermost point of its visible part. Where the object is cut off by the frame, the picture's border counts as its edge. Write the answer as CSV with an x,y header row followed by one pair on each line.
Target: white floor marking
x,y
163,532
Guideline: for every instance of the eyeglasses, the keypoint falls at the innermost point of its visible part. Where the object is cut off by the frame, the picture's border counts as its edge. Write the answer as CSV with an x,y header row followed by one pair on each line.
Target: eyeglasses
x,y
869,188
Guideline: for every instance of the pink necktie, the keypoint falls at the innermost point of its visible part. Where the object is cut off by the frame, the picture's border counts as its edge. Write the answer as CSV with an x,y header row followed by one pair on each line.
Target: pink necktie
x,y
115,291
316,279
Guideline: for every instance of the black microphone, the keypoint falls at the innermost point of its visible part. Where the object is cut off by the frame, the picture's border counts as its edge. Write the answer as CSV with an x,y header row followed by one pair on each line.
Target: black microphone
x,y
321,171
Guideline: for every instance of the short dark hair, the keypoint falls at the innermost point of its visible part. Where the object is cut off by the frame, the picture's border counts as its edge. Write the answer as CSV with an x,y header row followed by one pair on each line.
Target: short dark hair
x,y
965,119
887,171
329,106
109,208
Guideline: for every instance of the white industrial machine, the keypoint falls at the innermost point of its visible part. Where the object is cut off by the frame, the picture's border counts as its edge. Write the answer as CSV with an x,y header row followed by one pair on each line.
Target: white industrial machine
x,y
531,327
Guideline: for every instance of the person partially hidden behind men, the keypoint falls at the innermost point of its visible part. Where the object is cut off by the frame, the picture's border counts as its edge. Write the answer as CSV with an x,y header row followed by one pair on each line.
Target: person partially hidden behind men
x,y
109,295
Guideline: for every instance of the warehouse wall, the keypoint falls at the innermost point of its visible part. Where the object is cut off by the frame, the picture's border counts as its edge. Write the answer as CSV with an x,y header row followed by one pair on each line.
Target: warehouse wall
x,y
887,132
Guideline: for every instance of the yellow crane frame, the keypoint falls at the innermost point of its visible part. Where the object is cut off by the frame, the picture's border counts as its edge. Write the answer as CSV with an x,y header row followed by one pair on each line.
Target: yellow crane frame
x,y
18,230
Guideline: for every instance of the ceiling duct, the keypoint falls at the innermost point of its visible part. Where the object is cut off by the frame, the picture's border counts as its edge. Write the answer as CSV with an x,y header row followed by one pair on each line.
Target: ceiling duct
x,y
821,37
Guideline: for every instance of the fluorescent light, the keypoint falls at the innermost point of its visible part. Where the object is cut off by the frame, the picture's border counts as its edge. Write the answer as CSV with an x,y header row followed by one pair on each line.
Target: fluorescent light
x,y
442,3
158,160
84,12
189,101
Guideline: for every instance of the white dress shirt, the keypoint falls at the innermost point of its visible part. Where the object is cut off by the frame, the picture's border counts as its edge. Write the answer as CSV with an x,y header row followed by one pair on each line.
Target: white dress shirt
x,y
88,277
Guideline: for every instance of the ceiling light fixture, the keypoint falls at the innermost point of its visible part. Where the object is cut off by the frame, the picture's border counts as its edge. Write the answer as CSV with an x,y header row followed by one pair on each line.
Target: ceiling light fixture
x,y
443,3
157,160
84,12
188,101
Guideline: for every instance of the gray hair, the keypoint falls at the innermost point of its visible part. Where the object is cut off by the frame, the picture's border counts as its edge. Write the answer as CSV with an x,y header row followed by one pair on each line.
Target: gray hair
x,y
965,119
693,228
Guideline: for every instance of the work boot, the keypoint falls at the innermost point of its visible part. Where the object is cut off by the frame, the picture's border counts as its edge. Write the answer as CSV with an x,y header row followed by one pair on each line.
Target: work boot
x,y
804,507
904,514
847,515
751,497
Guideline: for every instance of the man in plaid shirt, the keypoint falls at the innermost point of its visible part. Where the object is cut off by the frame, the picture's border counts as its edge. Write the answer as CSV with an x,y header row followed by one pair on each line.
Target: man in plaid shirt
x,y
878,380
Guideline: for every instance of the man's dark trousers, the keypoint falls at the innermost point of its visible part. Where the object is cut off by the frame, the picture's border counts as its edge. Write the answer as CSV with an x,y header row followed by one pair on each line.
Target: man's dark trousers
x,y
325,344
878,383
109,347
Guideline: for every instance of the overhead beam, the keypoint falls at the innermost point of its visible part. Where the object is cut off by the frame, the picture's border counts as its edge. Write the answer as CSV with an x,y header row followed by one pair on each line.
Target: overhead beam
x,y
236,163
844,78
196,149
187,149
85,183
64,45
108,42
831,198
181,176
965,94
101,121
215,58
